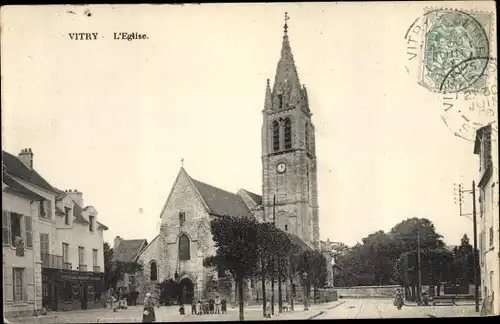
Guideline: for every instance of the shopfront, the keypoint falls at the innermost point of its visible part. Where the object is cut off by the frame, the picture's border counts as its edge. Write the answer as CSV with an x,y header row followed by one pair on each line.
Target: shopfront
x,y
66,290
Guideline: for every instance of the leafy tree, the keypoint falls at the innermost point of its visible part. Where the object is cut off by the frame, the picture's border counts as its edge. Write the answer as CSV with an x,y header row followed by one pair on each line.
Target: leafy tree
x,y
169,289
312,270
319,272
463,265
114,270
406,234
264,241
237,250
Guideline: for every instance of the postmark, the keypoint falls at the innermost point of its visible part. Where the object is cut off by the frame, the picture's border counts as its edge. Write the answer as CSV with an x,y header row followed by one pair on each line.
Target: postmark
x,y
451,40
466,111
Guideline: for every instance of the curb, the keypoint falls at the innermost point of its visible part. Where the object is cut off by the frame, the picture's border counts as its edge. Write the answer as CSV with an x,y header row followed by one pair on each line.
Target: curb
x,y
322,312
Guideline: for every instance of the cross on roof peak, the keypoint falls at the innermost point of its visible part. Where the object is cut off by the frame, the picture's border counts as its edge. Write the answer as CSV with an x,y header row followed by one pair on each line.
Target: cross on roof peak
x,y
285,27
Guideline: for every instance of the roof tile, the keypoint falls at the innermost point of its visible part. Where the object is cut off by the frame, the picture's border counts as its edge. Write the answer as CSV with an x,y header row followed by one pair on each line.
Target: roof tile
x,y
221,202
255,197
18,188
14,166
128,250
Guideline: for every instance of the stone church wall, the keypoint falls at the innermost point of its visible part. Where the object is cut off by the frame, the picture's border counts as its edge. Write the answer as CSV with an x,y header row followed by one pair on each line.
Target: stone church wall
x,y
196,226
150,254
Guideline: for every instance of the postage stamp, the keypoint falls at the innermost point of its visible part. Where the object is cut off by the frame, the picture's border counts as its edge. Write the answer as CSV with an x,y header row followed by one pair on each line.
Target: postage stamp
x,y
455,50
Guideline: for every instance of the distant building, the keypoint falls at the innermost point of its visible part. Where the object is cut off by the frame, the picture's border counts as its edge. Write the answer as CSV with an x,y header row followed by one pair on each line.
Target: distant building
x,y
129,251
52,246
486,146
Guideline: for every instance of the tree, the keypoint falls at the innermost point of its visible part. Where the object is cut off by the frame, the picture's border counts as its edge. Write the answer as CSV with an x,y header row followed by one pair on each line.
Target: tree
x,y
312,270
463,265
237,250
114,270
319,272
169,289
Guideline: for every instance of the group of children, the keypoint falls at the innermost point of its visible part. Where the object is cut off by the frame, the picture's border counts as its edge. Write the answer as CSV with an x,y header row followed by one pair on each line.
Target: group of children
x,y
210,306
117,303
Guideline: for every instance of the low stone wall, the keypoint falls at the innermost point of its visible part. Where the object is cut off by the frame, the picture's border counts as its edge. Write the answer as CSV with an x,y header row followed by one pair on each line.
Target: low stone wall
x,y
367,291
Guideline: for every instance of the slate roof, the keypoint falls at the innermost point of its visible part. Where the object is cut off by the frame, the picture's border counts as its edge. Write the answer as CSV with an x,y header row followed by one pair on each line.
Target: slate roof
x,y
299,242
77,213
14,166
104,227
18,188
128,250
221,202
255,197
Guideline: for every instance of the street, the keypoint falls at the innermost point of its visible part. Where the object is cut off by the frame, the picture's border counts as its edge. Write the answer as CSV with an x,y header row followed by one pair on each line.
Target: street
x,y
384,308
341,309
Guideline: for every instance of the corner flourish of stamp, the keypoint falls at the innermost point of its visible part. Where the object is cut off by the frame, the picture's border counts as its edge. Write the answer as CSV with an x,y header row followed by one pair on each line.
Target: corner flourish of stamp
x,y
455,50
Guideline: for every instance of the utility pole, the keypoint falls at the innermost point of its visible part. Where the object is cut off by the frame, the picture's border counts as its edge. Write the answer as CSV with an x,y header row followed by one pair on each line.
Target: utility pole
x,y
474,259
273,265
419,292
474,224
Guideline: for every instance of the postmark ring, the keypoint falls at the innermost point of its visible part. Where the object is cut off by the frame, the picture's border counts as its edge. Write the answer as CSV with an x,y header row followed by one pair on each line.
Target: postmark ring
x,y
454,37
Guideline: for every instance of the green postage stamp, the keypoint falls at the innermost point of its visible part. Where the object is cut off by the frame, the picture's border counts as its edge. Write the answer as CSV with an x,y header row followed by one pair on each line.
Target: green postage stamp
x,y
456,50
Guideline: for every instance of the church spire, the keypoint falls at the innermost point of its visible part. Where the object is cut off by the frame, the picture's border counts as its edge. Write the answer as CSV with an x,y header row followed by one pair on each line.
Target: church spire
x,y
287,89
268,103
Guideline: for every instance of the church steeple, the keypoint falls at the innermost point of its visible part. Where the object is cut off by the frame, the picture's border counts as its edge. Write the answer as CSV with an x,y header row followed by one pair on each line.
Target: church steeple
x,y
268,103
287,91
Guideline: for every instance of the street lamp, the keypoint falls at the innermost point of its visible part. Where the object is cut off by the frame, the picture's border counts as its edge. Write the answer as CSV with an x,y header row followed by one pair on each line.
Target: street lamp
x,y
306,291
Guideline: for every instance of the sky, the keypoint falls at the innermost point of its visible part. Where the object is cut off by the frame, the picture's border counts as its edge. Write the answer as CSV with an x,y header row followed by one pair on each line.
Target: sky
x,y
114,118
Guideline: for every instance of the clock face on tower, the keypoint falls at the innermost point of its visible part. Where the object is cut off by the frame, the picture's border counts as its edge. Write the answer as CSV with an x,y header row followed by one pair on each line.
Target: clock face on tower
x,y
281,167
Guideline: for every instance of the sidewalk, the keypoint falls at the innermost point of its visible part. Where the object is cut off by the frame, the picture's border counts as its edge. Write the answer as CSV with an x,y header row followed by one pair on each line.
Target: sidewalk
x,y
254,313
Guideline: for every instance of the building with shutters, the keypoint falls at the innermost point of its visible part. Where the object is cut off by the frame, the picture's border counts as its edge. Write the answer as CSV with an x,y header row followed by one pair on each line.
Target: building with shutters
x,y
486,147
37,219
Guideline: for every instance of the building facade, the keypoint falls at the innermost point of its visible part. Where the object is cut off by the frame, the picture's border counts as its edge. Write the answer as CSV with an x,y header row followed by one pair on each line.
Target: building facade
x,y
25,195
486,147
73,270
59,239
289,175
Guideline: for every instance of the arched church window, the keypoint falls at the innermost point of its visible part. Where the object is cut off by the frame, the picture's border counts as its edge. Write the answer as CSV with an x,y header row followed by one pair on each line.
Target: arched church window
x,y
276,136
307,136
286,228
154,271
184,248
288,134
280,101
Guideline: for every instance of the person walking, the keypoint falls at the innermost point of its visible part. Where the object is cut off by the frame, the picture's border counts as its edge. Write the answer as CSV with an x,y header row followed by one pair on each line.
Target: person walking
x,y
398,299
148,314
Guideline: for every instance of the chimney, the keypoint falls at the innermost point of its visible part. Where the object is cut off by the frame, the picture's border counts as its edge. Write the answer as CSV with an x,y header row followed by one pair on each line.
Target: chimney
x,y
116,242
26,156
76,196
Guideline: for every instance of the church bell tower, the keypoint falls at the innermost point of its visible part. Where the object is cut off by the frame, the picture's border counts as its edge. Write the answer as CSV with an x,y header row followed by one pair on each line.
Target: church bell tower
x,y
289,168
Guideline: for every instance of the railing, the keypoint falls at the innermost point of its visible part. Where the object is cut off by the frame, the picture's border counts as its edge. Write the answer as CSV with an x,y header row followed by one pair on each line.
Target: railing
x,y
67,266
52,261
82,267
97,269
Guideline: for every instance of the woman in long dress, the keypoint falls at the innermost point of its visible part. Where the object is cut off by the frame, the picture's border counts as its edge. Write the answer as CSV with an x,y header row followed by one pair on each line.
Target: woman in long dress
x,y
148,314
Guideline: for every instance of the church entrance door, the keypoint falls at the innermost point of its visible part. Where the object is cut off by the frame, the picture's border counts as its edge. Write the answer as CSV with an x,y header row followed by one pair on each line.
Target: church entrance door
x,y
186,291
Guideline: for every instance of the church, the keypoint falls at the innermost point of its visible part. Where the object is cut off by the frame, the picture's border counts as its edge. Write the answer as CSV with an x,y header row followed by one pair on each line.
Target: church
x,y
289,173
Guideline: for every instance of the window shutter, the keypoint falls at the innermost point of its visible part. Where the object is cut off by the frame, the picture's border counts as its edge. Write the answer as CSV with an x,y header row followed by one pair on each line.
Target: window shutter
x,y
29,232
29,285
49,209
8,292
6,230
